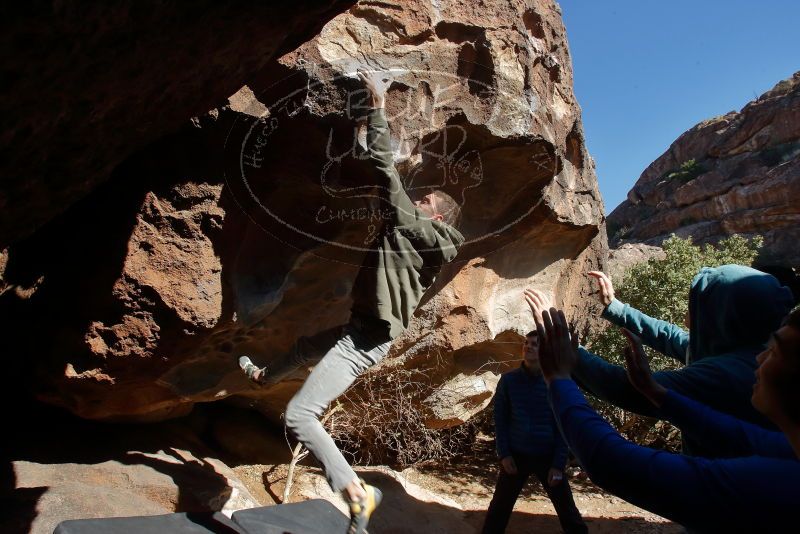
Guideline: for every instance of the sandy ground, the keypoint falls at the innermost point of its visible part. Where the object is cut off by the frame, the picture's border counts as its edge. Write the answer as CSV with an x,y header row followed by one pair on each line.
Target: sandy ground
x,y
534,512
454,498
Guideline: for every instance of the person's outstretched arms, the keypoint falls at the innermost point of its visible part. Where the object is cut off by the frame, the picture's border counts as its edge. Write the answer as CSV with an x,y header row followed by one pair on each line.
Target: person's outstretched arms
x,y
729,436
379,149
715,495
608,382
665,337
750,494
594,374
721,382
636,474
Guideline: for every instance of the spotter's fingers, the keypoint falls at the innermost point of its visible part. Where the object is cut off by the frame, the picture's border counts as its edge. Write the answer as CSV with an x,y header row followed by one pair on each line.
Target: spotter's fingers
x,y
573,334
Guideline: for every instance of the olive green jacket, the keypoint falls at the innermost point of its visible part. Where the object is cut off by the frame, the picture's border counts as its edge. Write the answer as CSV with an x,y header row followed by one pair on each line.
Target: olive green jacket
x,y
410,250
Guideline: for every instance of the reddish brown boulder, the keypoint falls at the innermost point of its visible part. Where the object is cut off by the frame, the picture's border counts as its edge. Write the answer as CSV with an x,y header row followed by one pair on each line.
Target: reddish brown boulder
x,y
85,85
246,229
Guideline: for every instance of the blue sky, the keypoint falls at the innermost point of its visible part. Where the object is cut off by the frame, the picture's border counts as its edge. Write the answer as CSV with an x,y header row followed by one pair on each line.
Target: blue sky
x,y
648,70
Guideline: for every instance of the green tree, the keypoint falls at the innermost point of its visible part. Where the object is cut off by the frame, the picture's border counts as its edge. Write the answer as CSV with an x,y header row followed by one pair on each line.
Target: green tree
x,y
688,171
660,288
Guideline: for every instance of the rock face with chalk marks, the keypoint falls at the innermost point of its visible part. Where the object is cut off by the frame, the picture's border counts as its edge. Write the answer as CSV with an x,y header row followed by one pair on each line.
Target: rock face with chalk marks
x,y
245,229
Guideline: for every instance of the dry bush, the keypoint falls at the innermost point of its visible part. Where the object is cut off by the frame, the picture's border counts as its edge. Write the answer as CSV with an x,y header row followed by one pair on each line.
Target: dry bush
x,y
383,421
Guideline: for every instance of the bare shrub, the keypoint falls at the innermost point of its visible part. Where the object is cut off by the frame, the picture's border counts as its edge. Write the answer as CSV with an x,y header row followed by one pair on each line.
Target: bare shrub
x,y
383,421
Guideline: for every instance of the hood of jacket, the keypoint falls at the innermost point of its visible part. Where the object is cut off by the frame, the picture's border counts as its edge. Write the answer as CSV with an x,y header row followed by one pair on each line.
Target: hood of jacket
x,y
732,308
435,241
448,240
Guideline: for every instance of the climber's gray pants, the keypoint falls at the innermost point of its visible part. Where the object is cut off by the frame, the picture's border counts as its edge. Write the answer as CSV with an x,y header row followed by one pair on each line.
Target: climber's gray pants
x,y
343,353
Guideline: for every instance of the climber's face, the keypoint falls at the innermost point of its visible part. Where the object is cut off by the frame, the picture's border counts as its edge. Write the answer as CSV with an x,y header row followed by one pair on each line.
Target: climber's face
x,y
427,205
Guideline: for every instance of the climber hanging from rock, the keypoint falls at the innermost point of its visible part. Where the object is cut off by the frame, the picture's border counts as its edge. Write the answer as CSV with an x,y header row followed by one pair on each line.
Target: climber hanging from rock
x,y
415,241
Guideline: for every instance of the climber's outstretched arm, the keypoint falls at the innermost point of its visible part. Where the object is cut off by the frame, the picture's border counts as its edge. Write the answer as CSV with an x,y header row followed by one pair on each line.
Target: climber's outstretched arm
x,y
379,149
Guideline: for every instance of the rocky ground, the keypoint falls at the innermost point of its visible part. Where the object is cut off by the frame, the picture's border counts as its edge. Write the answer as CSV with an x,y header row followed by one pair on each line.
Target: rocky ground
x,y
454,498
56,467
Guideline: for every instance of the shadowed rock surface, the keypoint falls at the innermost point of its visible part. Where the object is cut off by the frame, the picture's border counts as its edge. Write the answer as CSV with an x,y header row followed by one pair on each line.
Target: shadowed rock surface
x,y
87,84
245,229
740,175
93,469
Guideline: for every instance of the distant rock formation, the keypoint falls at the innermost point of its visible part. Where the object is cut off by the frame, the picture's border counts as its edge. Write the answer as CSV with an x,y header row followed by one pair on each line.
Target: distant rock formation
x,y
734,174
626,256
245,229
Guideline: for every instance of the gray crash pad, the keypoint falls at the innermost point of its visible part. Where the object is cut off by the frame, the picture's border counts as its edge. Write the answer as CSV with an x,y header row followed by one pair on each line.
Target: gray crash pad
x,y
309,517
184,523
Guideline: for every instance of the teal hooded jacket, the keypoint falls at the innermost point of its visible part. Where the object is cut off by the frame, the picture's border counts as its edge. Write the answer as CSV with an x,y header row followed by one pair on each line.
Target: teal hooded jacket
x,y
732,311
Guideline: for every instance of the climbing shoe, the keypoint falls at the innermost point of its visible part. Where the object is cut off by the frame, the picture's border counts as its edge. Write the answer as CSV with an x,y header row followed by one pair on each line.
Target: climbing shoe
x,y
360,511
256,374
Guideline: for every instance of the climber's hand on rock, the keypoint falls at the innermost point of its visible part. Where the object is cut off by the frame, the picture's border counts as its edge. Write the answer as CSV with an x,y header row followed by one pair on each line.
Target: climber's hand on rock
x,y
605,293
558,345
639,373
377,84
509,465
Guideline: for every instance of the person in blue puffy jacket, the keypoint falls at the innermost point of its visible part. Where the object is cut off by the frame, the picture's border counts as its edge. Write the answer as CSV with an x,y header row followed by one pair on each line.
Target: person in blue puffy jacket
x,y
529,443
